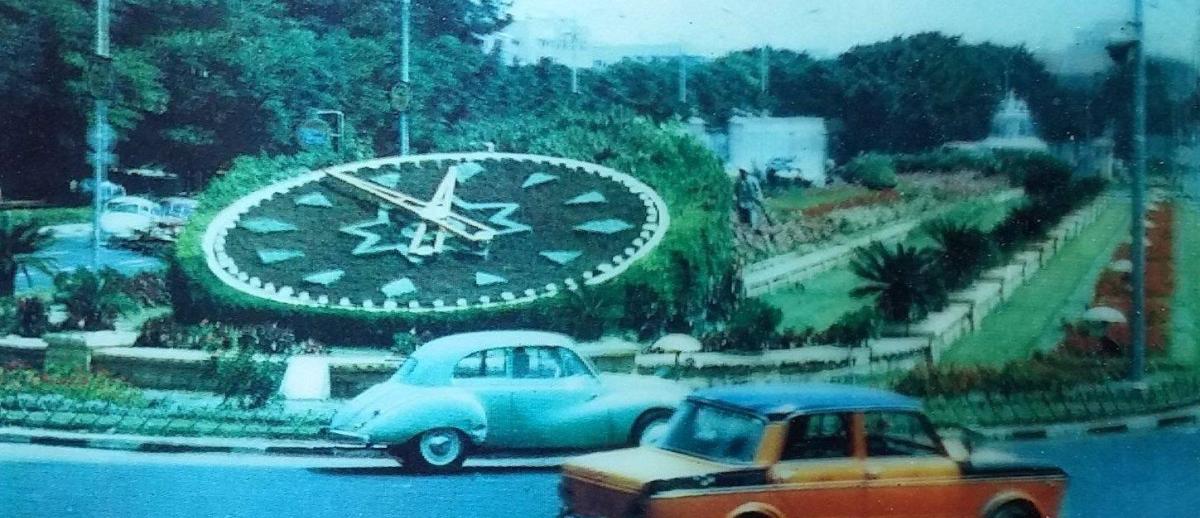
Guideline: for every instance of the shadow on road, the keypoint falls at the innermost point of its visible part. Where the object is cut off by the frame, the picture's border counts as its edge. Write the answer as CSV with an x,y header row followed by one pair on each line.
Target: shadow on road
x,y
384,471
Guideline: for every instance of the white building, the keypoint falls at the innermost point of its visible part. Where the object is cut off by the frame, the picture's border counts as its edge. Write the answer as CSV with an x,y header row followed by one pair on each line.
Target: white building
x,y
565,41
760,143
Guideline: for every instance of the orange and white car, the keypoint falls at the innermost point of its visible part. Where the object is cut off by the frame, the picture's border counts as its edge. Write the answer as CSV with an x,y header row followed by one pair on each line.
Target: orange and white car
x,y
804,450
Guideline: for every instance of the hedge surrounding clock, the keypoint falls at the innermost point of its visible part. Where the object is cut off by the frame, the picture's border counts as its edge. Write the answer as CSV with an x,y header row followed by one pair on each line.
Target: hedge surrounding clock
x,y
443,232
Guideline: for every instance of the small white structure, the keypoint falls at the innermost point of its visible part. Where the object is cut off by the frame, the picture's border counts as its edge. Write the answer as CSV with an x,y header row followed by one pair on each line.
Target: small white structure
x,y
759,143
306,377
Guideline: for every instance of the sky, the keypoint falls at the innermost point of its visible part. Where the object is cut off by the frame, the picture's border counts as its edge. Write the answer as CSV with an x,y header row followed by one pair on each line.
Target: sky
x,y
829,27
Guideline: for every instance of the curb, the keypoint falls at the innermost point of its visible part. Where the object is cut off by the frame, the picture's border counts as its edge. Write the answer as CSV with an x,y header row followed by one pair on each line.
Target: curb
x,y
243,446
1187,416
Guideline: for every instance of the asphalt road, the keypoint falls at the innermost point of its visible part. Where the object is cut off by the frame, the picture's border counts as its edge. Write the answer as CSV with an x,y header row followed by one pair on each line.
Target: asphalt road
x,y
72,248
1153,474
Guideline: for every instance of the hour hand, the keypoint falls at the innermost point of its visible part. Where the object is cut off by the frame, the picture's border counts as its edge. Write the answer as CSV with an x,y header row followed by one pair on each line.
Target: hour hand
x,y
443,217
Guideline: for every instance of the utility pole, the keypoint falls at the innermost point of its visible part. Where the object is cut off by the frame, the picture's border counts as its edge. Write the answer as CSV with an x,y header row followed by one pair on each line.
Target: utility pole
x,y
682,78
405,15
100,133
1137,228
763,67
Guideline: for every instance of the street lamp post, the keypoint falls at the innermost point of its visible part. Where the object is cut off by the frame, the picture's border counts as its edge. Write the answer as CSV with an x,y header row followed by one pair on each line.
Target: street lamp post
x,y
1137,228
100,132
405,22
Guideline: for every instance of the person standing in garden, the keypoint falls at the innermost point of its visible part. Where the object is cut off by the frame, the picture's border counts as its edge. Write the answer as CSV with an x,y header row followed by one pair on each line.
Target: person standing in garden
x,y
748,195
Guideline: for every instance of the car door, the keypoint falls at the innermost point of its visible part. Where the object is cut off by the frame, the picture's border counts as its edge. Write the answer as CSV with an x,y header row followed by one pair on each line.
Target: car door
x,y
820,471
554,401
487,375
908,471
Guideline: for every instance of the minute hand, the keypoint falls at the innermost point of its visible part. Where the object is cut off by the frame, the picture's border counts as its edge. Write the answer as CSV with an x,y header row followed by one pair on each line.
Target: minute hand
x,y
478,232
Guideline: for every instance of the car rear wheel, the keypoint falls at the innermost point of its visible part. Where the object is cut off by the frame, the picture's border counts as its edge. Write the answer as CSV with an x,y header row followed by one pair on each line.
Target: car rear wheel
x,y
436,451
650,427
1015,510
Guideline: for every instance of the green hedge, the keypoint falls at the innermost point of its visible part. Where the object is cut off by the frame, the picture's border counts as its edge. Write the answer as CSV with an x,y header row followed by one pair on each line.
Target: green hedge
x,y
688,177
873,171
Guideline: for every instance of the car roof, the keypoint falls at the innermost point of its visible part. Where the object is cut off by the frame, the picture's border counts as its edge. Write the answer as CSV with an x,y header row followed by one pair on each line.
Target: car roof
x,y
456,346
779,400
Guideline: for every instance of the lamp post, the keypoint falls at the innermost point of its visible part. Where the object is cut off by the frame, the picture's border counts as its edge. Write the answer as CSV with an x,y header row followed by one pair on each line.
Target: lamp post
x,y
1137,228
100,133
405,22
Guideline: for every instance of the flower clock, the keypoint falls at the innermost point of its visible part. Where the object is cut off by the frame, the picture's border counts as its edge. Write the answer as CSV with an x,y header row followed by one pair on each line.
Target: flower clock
x,y
439,232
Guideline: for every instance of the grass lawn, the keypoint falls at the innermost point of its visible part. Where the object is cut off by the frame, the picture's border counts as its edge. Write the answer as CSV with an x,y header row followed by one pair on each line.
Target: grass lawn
x,y
820,301
1031,319
56,215
1184,345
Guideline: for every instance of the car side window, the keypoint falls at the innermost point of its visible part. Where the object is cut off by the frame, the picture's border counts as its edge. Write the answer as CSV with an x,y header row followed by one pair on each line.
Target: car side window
x,y
818,436
899,434
536,363
571,363
483,364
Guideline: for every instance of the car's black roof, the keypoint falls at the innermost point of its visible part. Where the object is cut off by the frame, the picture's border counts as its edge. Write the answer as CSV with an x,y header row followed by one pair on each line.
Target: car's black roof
x,y
783,399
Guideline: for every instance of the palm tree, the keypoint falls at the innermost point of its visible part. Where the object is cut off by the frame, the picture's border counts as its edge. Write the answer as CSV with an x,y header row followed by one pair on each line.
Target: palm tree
x,y
20,239
964,251
905,281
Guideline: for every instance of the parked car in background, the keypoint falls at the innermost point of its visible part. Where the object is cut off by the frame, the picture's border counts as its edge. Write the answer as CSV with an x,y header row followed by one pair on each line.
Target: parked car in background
x,y
176,210
804,450
503,390
126,217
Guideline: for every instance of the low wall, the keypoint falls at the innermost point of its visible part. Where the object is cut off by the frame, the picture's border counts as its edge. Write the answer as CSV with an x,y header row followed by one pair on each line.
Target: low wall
x,y
25,351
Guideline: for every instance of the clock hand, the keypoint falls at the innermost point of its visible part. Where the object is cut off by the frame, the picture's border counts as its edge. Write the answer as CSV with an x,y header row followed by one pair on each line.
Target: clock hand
x,y
467,229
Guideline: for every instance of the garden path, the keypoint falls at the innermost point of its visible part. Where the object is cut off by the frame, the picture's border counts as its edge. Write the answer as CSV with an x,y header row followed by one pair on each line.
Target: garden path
x,y
1031,319
1185,316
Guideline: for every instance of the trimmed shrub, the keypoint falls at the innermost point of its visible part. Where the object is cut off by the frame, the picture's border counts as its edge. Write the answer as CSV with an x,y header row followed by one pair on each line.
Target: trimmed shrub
x,y
147,289
244,379
872,170
1041,372
93,301
853,329
948,161
32,317
8,316
963,251
751,328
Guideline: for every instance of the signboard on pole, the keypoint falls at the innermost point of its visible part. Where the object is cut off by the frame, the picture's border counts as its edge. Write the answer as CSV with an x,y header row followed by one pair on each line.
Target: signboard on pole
x,y
314,133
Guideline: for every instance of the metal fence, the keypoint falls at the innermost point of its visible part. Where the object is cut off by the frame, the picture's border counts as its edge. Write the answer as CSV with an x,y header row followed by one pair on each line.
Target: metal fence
x,y
57,412
1063,405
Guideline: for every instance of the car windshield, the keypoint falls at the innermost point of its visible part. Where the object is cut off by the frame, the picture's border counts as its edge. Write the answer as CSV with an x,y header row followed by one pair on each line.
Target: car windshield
x,y
713,433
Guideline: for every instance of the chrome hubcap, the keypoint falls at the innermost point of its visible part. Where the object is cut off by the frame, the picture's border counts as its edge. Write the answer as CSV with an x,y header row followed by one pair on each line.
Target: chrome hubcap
x,y
441,447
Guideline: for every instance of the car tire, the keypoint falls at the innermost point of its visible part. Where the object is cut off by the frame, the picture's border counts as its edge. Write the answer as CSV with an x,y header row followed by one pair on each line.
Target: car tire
x,y
649,426
441,450
1019,509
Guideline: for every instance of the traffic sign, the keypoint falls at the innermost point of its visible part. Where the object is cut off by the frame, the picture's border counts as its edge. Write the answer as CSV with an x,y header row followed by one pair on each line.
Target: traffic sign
x,y
314,133
400,96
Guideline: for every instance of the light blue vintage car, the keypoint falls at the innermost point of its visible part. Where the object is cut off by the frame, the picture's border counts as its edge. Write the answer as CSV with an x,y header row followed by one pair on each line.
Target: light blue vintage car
x,y
503,390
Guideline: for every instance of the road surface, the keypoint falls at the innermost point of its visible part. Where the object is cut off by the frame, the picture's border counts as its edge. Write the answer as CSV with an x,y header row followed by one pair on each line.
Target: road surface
x,y
1152,474
72,248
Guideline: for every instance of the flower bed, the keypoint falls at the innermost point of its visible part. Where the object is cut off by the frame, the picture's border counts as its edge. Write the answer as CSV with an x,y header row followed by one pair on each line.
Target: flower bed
x,y
1113,290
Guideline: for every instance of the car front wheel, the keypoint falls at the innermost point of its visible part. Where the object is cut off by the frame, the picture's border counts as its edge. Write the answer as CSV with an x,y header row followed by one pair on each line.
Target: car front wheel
x,y
436,451
650,427
1015,510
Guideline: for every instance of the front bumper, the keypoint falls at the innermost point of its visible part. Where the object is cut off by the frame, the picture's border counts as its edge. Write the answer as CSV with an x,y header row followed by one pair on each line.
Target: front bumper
x,y
346,436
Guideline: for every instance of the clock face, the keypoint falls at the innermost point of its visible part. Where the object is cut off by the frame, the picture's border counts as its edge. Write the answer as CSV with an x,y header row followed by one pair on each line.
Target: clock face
x,y
435,232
